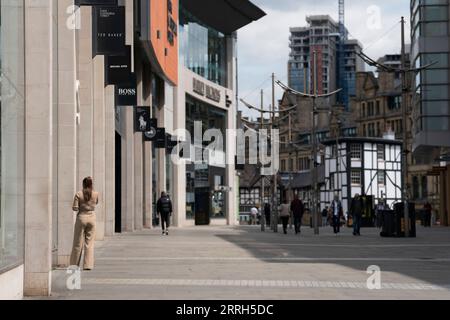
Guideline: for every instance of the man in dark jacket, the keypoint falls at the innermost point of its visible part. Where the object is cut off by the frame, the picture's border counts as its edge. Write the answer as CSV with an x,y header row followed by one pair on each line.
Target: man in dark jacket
x,y
297,209
164,209
356,209
336,212
267,213
428,213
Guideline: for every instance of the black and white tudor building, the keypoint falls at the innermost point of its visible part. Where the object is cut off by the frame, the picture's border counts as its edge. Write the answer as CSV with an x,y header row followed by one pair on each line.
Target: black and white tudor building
x,y
366,166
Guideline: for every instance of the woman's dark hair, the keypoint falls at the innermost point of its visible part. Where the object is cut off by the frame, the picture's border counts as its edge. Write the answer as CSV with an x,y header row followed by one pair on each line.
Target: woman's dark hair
x,y
87,188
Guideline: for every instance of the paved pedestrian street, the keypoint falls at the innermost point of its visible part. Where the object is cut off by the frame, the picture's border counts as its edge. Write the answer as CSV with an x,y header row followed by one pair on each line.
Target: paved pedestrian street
x,y
243,263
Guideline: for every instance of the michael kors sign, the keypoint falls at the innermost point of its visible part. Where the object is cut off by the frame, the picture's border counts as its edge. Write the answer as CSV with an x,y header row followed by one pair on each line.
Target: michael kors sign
x,y
204,90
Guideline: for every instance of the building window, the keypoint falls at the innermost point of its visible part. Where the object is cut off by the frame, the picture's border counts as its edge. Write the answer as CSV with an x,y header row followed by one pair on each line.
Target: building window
x,y
356,178
203,49
356,151
381,152
208,115
394,103
332,181
304,164
283,165
382,178
12,143
371,109
334,151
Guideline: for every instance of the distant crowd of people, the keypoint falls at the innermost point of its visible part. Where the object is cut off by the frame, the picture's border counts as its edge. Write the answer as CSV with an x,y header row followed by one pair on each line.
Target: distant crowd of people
x,y
332,215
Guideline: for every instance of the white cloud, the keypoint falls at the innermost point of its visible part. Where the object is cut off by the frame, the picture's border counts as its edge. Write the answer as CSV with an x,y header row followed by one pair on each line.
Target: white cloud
x,y
264,45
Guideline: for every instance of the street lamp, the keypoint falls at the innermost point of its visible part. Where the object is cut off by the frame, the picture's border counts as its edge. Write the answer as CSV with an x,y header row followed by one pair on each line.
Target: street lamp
x,y
314,162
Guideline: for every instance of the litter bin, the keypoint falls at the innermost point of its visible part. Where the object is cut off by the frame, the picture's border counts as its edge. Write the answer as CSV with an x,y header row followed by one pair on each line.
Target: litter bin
x,y
400,228
388,223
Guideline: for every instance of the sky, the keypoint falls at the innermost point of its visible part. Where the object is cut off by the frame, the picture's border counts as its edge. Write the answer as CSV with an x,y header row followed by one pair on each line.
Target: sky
x,y
263,46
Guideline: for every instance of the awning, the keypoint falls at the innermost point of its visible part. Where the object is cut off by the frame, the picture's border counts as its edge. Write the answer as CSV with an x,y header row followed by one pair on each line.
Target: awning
x,y
226,16
302,180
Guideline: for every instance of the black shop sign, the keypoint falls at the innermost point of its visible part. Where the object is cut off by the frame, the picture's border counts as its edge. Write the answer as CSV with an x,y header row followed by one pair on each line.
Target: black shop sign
x,y
152,133
126,93
108,31
96,2
118,68
142,119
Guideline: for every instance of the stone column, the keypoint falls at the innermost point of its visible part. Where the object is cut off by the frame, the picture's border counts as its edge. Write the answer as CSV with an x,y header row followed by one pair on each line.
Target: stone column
x,y
161,158
128,146
99,138
110,162
38,146
179,170
138,156
148,154
138,182
67,132
85,153
148,186
230,178
128,176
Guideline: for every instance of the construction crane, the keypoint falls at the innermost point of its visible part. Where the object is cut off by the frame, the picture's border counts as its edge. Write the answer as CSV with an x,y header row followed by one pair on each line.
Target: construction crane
x,y
342,81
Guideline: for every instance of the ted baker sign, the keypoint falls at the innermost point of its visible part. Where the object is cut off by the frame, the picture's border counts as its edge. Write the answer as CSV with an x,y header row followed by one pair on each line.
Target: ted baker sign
x,y
109,30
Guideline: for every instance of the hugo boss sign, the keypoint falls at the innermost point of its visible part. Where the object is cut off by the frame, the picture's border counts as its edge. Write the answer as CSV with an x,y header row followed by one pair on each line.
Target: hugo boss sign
x,y
108,31
126,93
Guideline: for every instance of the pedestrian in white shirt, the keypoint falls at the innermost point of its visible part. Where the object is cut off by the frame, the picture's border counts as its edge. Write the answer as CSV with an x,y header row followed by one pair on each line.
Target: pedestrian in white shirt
x,y
254,213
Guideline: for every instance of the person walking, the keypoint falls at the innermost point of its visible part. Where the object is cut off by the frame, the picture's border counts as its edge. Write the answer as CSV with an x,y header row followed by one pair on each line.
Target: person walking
x,y
297,209
356,209
381,206
267,213
164,209
325,216
337,213
428,212
284,215
254,212
84,204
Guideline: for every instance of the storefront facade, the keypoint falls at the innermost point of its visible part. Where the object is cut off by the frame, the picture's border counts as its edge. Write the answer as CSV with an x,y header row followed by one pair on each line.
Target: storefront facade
x,y
70,94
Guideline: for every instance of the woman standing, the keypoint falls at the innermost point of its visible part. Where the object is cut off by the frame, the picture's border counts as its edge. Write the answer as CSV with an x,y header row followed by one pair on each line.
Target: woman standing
x,y
84,204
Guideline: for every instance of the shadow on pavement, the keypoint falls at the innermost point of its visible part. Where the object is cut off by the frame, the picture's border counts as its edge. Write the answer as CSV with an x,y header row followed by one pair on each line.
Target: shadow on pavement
x,y
425,258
